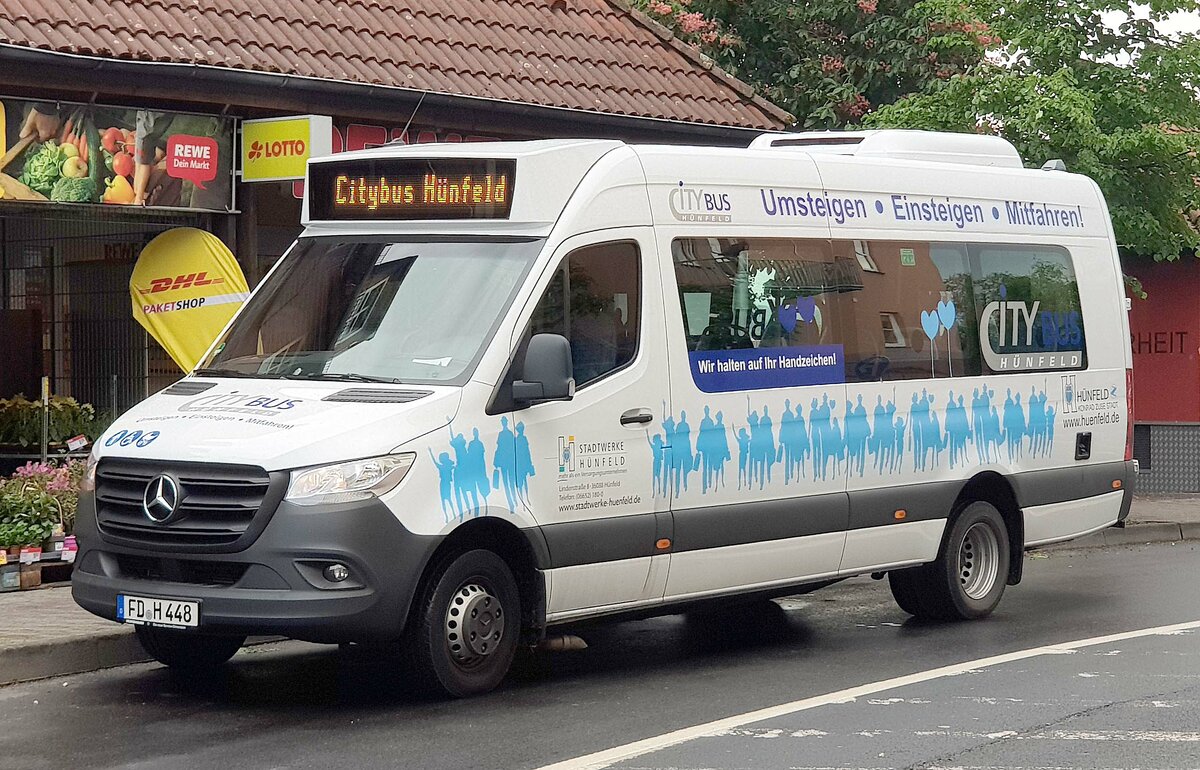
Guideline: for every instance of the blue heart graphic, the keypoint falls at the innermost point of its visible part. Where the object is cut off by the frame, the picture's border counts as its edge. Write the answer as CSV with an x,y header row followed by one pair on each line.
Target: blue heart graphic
x,y
947,313
806,308
787,317
930,323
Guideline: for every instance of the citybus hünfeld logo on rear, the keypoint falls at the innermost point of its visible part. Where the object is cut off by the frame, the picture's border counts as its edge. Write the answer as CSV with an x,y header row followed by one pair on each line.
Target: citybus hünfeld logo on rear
x,y
1016,335
160,500
691,204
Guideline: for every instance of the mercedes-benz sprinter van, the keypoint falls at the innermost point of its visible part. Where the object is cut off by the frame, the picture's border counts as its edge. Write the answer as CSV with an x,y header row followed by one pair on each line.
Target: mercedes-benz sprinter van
x,y
497,388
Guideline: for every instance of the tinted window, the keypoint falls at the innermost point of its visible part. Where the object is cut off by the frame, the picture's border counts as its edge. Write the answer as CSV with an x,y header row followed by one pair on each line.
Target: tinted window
x,y
594,300
1027,299
743,293
921,294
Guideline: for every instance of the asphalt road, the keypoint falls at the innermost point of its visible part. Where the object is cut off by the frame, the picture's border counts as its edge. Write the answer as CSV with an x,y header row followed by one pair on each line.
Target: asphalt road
x,y
1130,703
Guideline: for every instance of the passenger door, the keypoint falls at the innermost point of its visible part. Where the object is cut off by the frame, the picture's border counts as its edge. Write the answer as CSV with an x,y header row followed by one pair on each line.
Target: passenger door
x,y
757,472
588,465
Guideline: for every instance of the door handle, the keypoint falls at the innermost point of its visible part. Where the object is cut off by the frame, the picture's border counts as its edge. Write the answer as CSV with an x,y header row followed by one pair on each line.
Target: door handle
x,y
637,417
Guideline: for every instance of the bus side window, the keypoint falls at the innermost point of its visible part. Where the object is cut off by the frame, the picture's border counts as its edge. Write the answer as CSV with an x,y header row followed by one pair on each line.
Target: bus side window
x,y
594,300
914,317
739,293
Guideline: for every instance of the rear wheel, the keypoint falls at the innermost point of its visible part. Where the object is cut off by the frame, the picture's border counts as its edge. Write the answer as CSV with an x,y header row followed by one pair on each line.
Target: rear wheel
x,y
186,650
464,633
968,577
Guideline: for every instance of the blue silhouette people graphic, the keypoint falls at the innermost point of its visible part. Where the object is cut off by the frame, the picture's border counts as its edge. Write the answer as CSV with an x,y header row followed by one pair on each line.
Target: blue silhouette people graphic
x,y
445,467
958,430
477,466
658,451
504,464
817,434
466,491
762,444
743,439
858,433
681,453
791,427
712,449
830,441
835,441
721,450
523,462
1014,424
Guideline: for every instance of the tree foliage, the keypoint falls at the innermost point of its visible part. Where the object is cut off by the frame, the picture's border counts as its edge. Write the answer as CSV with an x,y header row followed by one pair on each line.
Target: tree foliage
x,y
1117,104
830,62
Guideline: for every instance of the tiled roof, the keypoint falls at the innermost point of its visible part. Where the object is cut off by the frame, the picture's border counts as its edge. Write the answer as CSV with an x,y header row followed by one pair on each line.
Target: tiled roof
x,y
582,54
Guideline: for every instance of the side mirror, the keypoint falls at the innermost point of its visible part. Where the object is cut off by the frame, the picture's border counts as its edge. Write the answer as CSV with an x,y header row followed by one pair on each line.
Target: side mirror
x,y
547,371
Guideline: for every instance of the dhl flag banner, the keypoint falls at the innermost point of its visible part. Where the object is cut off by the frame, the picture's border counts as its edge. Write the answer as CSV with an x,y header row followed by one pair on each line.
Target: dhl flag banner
x,y
185,287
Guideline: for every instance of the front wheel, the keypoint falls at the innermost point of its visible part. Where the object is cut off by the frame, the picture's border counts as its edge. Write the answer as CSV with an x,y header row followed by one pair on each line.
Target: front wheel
x,y
464,632
968,577
185,650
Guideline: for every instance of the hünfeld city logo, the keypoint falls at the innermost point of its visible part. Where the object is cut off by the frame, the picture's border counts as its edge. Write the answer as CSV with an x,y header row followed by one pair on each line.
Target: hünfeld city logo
x,y
1016,335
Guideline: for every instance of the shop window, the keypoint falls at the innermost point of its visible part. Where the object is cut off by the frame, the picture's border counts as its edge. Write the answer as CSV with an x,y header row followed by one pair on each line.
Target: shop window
x,y
594,300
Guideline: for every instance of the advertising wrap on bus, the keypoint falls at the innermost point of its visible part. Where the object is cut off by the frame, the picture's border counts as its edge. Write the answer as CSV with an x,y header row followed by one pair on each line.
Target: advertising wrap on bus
x,y
485,397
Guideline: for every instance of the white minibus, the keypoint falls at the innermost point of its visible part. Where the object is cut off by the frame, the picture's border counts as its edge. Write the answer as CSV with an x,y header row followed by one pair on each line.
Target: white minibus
x,y
494,389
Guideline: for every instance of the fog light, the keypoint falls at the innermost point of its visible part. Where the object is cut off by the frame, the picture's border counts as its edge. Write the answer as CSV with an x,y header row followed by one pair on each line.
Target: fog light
x,y
336,573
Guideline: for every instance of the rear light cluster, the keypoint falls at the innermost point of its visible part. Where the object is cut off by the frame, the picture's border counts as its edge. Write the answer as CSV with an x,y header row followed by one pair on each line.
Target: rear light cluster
x,y
1128,414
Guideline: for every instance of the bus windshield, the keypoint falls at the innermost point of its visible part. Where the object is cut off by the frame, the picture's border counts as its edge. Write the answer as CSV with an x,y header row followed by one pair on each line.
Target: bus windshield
x,y
375,309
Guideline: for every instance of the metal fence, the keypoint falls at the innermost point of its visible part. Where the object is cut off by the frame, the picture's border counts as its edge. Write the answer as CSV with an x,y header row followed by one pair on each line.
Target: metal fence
x,y
64,290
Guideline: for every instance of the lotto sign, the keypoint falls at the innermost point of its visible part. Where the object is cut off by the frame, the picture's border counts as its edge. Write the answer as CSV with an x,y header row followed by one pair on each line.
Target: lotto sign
x,y
279,148
185,288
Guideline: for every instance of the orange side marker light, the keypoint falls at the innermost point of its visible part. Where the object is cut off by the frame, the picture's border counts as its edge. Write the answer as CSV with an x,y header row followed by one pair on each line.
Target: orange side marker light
x,y
663,544
900,514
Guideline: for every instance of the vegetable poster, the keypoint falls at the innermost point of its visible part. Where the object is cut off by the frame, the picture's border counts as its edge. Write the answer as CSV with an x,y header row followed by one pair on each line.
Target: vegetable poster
x,y
75,153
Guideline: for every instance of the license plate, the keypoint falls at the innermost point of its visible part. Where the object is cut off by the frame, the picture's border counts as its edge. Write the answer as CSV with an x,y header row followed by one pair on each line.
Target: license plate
x,y
158,612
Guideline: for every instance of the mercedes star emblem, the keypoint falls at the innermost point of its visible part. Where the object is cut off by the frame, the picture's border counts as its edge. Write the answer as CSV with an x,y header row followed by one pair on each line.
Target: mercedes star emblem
x,y
160,499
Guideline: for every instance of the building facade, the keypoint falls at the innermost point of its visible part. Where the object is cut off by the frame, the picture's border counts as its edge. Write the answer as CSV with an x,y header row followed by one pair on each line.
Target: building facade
x,y
148,90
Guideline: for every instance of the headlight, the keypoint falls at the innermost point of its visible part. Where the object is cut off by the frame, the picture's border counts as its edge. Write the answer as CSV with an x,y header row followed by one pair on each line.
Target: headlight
x,y
347,482
88,482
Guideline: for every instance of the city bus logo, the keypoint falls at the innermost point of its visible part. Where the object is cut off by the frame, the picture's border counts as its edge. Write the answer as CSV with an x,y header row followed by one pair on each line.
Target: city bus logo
x,y
690,204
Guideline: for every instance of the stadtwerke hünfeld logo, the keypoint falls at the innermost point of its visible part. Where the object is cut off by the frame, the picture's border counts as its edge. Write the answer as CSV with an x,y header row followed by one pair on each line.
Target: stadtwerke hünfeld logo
x,y
566,454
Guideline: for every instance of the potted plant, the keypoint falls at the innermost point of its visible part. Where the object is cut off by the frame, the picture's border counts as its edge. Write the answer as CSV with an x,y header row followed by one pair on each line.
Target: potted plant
x,y
21,424
29,515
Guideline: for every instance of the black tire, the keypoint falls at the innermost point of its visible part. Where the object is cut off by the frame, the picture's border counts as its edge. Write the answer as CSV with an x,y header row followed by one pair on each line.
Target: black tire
x,y
970,573
464,631
186,650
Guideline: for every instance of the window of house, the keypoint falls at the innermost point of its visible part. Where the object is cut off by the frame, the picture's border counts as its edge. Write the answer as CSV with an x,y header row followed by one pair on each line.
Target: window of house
x,y
893,335
862,252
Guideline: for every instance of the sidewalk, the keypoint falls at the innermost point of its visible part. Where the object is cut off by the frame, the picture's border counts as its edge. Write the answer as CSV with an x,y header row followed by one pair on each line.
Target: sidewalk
x,y
43,633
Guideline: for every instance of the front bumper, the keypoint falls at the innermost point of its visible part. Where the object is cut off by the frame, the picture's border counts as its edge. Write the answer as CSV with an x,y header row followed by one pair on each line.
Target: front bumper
x,y
274,586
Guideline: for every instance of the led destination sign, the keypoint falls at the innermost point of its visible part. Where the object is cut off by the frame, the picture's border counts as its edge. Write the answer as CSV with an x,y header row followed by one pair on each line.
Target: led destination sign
x,y
392,189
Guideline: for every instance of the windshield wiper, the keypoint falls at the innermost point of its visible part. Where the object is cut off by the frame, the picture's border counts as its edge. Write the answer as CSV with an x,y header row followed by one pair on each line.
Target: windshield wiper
x,y
341,377
226,373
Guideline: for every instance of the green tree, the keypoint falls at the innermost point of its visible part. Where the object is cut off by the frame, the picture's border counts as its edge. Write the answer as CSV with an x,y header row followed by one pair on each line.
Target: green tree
x,y
1117,104
830,62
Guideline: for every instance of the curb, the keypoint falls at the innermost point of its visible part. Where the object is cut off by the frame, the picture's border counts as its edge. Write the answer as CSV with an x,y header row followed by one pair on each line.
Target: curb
x,y
1134,534
75,656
